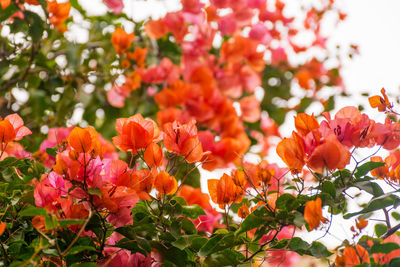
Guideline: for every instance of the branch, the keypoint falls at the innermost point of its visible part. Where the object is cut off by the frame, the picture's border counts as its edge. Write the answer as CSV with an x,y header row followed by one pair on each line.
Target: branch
x,y
391,231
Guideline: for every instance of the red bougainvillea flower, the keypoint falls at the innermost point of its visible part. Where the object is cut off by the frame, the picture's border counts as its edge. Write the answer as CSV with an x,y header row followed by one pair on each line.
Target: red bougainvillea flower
x,y
59,13
135,133
313,213
183,140
165,183
380,102
122,40
12,128
115,5
291,151
32,2
224,191
250,108
331,154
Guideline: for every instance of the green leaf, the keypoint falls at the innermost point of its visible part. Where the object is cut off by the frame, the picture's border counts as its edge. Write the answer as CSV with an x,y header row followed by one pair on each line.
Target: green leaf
x,y
33,211
370,187
209,246
395,262
287,202
52,151
75,4
84,264
70,222
375,204
396,215
253,220
384,248
35,25
226,257
380,229
329,187
8,11
79,249
367,167
94,191
193,211
318,250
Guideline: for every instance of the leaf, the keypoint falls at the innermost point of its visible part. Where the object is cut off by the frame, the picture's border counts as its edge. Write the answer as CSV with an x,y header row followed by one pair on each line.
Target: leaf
x,y
380,229
370,187
367,167
94,191
328,187
396,215
384,248
79,249
33,211
253,220
226,257
211,243
375,204
8,11
52,151
318,250
193,211
84,264
75,4
35,25
70,222
287,202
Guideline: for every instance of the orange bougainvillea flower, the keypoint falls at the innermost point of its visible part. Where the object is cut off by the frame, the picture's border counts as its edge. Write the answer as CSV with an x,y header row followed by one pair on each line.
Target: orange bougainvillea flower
x,y
352,257
305,123
32,2
183,139
331,154
59,13
80,140
194,196
2,228
139,55
12,128
173,95
7,133
142,181
135,133
4,3
153,155
380,172
313,213
361,224
122,40
165,183
263,174
243,211
380,102
156,29
291,151
224,191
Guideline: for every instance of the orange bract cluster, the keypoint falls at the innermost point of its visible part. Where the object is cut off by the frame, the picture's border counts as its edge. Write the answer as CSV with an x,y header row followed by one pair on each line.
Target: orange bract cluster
x,y
225,191
391,169
313,213
122,40
59,13
380,102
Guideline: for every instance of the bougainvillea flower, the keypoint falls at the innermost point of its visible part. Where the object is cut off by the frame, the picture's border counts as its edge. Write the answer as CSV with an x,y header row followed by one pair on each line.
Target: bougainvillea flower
x,y
291,151
156,29
153,155
115,5
361,224
380,102
224,191
135,133
380,172
165,183
139,55
305,123
173,95
194,196
243,211
32,2
385,258
250,108
313,213
351,257
59,13
121,40
81,140
12,128
331,154
142,181
2,228
183,139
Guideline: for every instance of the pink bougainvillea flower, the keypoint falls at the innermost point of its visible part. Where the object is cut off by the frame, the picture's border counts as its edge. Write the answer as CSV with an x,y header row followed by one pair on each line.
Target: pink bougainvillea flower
x,y
115,5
